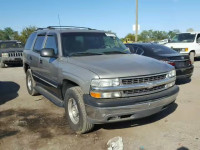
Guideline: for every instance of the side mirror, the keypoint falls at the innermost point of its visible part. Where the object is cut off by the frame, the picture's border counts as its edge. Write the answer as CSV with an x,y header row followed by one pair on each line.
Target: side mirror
x,y
47,52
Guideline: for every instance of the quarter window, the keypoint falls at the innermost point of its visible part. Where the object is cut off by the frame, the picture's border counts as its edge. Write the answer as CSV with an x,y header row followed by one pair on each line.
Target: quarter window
x,y
29,42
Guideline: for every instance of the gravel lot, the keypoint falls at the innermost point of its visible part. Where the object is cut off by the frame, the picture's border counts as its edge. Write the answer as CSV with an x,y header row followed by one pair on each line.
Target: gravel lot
x,y
35,123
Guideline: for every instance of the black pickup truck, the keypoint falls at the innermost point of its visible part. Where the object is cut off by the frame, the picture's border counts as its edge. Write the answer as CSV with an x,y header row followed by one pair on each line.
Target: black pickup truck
x,y
10,53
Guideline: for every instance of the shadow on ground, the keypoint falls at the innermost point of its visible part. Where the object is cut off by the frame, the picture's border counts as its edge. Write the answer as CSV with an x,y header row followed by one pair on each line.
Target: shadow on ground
x,y
45,125
8,91
183,148
139,122
183,81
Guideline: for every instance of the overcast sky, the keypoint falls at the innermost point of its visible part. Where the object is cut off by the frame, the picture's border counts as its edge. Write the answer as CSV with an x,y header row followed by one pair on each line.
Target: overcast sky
x,y
115,15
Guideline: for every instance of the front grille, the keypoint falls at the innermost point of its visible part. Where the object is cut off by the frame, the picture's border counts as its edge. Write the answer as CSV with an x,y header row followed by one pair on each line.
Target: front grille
x,y
144,80
136,80
15,54
143,91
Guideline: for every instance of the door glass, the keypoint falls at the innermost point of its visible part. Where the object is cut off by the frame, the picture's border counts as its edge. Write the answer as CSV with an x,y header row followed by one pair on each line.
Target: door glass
x,y
51,43
39,43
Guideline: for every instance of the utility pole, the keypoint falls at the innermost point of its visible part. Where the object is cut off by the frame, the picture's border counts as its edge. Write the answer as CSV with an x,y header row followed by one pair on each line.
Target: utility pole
x,y
136,23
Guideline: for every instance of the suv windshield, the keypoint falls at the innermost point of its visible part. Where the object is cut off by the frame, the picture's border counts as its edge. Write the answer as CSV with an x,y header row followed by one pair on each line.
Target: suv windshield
x,y
183,38
79,44
5,45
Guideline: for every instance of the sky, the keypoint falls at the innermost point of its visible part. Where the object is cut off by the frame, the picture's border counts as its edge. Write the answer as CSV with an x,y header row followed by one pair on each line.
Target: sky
x,y
115,15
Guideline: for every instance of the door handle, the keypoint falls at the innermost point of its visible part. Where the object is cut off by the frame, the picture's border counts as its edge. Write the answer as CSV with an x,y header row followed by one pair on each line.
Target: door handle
x,y
40,61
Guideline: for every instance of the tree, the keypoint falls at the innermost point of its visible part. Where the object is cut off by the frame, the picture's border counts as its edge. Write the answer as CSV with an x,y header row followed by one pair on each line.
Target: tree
x,y
8,34
25,33
190,30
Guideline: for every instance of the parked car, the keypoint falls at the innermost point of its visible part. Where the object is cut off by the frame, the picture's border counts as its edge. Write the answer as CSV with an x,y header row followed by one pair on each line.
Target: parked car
x,y
94,77
182,63
10,53
186,43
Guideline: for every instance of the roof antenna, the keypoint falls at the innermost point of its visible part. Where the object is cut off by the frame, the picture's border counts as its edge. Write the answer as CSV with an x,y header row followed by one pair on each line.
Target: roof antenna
x,y
59,21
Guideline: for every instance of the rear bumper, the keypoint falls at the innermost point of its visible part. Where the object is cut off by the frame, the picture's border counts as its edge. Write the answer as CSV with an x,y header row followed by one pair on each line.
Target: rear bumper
x,y
184,72
98,115
12,60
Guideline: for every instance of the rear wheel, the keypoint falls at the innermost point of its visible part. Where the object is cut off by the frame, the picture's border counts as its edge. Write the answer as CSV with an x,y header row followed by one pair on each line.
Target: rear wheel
x,y
192,54
75,111
30,83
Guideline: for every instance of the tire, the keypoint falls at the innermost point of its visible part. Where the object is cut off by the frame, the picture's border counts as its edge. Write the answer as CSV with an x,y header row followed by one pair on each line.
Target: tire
x,y
192,54
2,65
75,111
30,83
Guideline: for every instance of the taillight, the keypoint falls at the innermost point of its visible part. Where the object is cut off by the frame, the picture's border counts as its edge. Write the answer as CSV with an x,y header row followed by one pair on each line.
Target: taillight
x,y
171,63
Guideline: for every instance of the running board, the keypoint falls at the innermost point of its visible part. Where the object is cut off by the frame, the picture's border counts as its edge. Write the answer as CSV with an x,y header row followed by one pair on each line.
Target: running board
x,y
58,102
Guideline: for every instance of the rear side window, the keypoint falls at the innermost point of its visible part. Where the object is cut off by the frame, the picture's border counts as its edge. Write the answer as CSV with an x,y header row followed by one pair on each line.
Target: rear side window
x,y
39,42
29,42
51,42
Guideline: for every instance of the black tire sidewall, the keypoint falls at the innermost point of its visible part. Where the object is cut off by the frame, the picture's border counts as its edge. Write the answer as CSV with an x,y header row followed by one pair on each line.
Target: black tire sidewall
x,y
76,127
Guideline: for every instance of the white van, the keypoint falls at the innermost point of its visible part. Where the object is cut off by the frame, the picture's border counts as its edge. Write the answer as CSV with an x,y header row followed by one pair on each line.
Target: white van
x,y
186,43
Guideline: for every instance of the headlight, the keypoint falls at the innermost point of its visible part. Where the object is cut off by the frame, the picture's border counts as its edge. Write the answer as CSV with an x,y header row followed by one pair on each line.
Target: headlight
x,y
171,74
4,54
184,50
105,94
104,82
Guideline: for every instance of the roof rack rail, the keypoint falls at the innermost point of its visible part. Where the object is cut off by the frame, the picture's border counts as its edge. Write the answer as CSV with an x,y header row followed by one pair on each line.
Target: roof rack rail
x,y
66,27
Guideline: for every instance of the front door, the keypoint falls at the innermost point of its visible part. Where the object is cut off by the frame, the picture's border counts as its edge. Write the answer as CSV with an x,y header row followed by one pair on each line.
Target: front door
x,y
49,67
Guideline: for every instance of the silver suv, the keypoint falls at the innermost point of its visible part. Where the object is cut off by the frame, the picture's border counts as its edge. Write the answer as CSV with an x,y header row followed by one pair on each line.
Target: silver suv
x,y
94,77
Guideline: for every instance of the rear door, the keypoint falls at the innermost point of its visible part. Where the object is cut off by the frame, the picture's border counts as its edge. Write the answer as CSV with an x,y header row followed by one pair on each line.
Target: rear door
x,y
35,55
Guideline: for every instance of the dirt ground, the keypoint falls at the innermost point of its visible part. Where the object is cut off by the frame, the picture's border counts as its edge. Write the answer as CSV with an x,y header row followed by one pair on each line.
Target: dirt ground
x,y
28,122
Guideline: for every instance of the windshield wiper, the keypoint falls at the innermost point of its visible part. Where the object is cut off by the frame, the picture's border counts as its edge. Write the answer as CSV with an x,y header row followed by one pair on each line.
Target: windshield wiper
x,y
84,54
115,52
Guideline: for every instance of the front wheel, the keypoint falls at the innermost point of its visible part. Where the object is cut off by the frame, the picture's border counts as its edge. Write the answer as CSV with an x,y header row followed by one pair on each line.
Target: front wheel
x,y
30,83
192,54
2,65
75,111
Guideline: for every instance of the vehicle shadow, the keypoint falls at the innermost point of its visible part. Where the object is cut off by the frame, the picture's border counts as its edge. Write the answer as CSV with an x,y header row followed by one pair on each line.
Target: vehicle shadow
x,y
183,148
139,122
183,81
8,91
14,66
197,59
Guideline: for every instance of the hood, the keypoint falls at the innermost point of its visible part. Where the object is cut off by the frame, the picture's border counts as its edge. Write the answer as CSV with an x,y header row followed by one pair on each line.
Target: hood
x,y
124,65
179,45
11,50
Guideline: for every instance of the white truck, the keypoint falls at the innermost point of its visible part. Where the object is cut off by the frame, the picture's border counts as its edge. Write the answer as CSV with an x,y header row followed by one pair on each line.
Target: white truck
x,y
186,43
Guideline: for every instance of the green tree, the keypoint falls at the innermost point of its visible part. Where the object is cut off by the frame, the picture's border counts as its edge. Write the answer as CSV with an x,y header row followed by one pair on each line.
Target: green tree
x,y
8,34
25,34
190,30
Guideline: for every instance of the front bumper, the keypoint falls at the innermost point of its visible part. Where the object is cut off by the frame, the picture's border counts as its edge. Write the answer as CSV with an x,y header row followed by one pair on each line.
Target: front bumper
x,y
11,60
131,108
184,72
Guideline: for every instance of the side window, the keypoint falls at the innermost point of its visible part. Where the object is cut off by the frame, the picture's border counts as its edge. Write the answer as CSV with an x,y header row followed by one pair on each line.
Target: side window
x,y
131,48
29,42
51,42
198,38
138,50
39,42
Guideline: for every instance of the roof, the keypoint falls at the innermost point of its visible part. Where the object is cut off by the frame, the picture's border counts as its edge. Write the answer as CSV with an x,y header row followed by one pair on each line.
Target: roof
x,y
63,29
9,41
142,44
